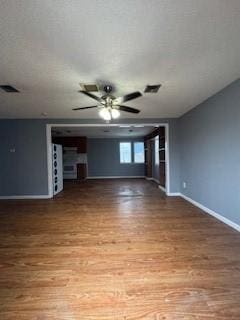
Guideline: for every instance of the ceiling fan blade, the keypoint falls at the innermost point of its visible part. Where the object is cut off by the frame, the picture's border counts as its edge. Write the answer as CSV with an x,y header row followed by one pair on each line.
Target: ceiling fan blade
x,y
92,96
129,96
127,109
84,108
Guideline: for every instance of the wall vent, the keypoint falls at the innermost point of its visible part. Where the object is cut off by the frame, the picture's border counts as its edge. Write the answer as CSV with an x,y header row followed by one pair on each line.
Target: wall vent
x,y
8,88
152,88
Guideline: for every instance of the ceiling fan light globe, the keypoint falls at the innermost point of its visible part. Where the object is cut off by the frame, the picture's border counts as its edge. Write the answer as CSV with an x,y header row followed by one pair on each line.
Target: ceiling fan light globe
x,y
115,113
105,114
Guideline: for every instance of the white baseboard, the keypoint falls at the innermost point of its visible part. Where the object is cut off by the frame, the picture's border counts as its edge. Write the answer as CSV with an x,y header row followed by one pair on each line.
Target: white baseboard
x,y
162,188
212,213
152,179
45,196
157,181
173,194
116,177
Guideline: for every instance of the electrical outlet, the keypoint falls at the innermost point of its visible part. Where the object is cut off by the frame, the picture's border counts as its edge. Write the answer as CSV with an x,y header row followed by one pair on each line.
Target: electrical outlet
x,y
184,185
12,150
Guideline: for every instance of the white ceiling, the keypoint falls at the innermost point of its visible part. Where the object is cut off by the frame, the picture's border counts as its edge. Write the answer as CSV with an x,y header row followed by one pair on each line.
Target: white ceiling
x,y
103,131
47,47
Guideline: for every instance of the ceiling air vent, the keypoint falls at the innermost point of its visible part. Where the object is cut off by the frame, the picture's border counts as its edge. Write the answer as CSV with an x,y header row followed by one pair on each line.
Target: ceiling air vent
x,y
89,87
152,89
8,88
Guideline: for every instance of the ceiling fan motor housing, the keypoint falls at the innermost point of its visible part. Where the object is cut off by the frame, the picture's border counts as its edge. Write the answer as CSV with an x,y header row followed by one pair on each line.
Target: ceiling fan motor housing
x,y
107,88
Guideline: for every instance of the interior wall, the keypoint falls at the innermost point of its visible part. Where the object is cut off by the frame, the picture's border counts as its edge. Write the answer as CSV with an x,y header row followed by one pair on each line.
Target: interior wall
x,y
24,172
104,159
23,158
210,153
174,155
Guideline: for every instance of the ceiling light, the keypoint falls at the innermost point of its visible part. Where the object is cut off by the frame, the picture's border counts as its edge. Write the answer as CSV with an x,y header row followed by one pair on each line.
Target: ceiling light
x,y
125,126
115,113
105,114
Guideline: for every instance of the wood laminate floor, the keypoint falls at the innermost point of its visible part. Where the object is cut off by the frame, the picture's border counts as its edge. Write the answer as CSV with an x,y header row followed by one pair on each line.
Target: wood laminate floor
x,y
116,249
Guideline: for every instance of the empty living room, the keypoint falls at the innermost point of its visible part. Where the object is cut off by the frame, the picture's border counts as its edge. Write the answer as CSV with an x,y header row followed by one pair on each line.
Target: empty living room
x,y
120,160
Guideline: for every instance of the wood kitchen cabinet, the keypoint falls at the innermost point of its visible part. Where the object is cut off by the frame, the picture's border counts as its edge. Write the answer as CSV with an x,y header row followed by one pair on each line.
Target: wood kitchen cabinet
x,y
162,157
81,171
78,142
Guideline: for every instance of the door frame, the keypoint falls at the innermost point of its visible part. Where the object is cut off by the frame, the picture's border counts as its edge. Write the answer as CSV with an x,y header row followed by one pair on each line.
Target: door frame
x,y
49,127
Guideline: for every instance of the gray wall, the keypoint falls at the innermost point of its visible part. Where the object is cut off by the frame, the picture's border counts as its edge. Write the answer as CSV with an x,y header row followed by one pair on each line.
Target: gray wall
x,y
210,152
104,159
25,171
174,155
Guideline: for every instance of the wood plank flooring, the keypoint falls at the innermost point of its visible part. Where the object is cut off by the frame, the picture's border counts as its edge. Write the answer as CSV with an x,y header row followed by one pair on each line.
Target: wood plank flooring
x,y
116,249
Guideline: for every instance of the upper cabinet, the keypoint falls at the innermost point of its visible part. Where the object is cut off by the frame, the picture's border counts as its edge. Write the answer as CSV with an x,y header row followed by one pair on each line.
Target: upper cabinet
x,y
78,142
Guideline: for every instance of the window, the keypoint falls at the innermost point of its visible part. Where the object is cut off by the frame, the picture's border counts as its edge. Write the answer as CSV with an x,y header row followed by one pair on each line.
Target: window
x,y
156,147
125,152
139,152
129,154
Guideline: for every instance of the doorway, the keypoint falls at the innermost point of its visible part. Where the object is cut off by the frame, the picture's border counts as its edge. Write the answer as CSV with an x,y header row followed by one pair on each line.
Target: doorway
x,y
88,129
157,167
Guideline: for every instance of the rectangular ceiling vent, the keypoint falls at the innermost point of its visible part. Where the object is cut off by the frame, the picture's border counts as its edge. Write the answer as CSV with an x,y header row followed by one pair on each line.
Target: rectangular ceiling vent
x,y
89,87
152,88
8,88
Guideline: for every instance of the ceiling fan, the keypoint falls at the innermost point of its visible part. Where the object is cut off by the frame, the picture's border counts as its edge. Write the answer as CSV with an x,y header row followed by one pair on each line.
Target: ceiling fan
x,y
110,106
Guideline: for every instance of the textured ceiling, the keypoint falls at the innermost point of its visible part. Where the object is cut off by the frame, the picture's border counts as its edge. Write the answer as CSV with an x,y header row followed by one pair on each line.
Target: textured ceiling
x,y
47,47
103,132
